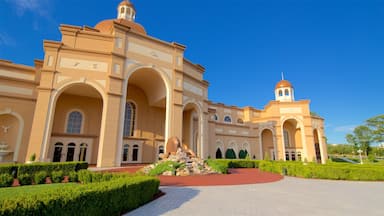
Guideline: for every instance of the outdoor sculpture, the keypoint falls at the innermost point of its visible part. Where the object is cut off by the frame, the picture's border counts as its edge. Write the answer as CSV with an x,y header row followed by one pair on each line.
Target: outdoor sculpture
x,y
185,157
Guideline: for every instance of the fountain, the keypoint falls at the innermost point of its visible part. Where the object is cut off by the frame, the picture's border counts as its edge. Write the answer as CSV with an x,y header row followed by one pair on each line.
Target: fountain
x,y
3,150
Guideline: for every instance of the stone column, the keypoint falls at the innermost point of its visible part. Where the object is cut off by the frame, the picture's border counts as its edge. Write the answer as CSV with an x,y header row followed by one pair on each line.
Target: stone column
x,y
109,136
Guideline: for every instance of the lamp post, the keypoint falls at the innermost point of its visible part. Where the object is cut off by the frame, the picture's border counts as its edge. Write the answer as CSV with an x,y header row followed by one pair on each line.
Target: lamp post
x,y
361,159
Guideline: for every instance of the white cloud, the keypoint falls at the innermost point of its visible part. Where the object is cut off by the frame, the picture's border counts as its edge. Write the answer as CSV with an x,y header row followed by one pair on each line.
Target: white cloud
x,y
6,40
345,128
38,7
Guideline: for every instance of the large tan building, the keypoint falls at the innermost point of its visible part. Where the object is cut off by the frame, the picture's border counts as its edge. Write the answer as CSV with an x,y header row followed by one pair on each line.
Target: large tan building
x,y
112,95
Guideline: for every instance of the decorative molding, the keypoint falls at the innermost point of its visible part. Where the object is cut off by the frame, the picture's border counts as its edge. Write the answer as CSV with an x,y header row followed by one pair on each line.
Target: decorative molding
x,y
149,52
16,90
17,75
192,88
219,130
61,78
227,111
80,64
291,110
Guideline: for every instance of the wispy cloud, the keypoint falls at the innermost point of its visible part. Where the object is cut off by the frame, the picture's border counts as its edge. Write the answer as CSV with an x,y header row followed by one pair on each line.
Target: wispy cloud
x,y
344,128
38,7
6,40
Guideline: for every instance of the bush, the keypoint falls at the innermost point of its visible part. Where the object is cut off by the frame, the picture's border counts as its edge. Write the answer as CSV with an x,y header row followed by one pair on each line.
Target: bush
x,y
230,154
238,163
114,197
39,177
72,176
339,171
24,179
163,167
6,180
57,176
84,176
66,167
7,168
217,166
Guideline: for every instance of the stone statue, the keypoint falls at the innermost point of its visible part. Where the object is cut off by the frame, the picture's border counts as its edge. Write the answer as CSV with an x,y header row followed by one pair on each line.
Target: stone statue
x,y
174,144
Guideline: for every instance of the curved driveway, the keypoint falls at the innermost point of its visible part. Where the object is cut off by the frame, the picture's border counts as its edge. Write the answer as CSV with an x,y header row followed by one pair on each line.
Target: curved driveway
x,y
290,196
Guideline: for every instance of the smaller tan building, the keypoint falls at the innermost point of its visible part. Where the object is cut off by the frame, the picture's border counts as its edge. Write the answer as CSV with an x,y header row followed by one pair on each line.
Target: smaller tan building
x,y
112,95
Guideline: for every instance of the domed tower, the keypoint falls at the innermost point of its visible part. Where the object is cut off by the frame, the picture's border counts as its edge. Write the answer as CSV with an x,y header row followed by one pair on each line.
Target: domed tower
x,y
126,11
126,14
284,91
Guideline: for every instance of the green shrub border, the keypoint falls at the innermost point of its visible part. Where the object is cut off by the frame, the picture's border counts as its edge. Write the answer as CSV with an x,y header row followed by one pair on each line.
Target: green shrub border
x,y
355,172
31,169
114,197
237,163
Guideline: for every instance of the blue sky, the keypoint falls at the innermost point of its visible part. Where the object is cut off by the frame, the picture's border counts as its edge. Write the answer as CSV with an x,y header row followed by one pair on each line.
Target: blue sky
x,y
332,51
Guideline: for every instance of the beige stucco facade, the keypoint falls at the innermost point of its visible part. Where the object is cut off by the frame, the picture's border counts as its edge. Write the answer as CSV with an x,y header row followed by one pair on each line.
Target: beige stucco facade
x,y
112,95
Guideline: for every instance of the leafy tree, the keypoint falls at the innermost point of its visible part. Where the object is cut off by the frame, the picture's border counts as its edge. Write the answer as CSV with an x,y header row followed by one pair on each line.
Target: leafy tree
x,y
376,124
363,136
351,139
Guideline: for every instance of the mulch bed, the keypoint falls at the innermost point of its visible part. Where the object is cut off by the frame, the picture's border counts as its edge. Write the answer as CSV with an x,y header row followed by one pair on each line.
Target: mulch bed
x,y
236,177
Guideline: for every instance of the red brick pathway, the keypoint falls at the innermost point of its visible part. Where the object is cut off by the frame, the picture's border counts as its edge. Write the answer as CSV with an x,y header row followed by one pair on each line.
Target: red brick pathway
x,y
236,177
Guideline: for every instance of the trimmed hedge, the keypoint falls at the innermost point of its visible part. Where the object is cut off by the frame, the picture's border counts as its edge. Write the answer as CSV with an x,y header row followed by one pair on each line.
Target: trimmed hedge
x,y
217,166
238,163
6,180
66,167
162,167
333,171
113,197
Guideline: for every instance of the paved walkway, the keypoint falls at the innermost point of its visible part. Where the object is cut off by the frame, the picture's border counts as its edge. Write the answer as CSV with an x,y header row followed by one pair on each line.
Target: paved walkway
x,y
291,196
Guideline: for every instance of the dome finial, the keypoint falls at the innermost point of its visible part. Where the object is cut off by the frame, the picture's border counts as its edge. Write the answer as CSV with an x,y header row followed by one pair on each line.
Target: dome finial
x,y
282,75
126,11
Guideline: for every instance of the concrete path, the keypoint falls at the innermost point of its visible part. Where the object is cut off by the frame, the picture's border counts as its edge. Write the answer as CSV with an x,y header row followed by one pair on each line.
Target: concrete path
x,y
291,196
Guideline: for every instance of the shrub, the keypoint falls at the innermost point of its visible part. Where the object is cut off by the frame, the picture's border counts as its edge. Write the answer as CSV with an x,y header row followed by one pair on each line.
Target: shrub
x,y
57,176
217,166
33,157
230,154
6,180
238,163
114,197
163,167
24,179
339,171
66,167
39,177
72,176
84,176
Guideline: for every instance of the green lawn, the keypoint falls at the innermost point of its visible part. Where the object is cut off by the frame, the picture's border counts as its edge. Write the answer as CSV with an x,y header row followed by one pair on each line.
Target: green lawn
x,y
7,193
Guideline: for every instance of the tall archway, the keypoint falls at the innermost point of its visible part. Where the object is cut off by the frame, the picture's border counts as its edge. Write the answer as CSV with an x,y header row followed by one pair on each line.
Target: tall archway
x,y
77,119
292,139
191,128
268,149
147,89
11,132
317,146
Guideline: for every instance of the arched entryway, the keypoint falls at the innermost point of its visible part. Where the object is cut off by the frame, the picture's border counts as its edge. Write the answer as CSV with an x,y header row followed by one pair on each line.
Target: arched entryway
x,y
268,149
317,146
292,139
191,128
76,124
145,116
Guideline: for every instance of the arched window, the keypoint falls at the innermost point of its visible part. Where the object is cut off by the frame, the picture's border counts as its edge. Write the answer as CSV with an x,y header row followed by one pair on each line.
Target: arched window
x,y
83,151
240,121
286,138
287,156
286,92
74,123
280,93
125,152
227,119
122,10
293,156
135,153
129,119
215,117
230,154
57,152
219,154
71,151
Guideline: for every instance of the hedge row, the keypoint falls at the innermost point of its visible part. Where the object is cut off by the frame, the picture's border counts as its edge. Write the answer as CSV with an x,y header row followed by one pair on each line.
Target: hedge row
x,y
237,163
325,171
31,169
114,197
